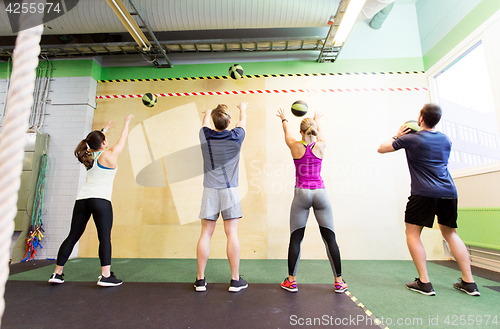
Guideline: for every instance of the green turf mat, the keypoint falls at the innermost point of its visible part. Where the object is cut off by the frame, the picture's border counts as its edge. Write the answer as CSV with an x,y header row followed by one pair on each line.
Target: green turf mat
x,y
184,270
380,286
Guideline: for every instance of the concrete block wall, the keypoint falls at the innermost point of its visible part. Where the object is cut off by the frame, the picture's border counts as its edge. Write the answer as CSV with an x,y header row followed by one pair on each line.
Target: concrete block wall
x,y
3,96
68,120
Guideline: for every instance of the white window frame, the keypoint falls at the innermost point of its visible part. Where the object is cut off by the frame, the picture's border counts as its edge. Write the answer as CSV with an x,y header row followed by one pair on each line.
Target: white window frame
x,y
457,52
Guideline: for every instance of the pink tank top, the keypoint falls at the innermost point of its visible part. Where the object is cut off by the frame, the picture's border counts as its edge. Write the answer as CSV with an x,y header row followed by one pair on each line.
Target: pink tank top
x,y
308,170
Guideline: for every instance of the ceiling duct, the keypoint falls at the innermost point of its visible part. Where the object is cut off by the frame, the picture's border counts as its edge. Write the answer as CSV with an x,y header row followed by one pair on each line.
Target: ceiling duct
x,y
95,16
379,18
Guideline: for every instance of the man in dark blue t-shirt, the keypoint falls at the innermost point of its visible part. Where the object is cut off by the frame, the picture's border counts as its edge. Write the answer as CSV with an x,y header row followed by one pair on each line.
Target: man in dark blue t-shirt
x,y
432,193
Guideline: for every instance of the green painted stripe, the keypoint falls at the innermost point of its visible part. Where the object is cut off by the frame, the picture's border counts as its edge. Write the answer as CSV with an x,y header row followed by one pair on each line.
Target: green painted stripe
x,y
265,76
65,68
484,10
88,67
266,69
76,68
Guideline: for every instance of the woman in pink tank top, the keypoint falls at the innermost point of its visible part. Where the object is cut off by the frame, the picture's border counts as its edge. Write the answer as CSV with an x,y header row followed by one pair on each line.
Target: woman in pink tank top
x,y
309,192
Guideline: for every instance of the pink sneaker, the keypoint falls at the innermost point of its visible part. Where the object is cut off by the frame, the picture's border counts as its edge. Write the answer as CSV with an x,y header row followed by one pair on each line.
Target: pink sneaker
x,y
340,287
290,286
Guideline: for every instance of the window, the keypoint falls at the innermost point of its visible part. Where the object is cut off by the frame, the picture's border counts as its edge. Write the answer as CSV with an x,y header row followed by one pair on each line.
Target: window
x,y
469,117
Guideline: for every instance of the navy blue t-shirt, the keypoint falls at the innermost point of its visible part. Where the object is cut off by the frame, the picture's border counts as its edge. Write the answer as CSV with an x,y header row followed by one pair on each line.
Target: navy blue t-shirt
x,y
221,156
427,153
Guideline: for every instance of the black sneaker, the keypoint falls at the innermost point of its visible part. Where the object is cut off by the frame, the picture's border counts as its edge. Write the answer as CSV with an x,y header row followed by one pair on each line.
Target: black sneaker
x,y
200,285
470,288
56,278
110,281
423,288
237,285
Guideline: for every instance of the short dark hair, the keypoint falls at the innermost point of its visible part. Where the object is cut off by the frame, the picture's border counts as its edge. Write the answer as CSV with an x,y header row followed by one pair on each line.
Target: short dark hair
x,y
431,114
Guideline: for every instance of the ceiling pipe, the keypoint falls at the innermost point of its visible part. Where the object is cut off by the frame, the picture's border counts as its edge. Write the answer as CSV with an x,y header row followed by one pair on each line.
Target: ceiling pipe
x,y
331,48
379,18
372,7
135,31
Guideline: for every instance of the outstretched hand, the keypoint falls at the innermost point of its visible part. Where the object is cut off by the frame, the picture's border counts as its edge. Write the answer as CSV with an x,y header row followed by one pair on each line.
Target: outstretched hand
x,y
108,125
243,105
318,115
281,114
128,118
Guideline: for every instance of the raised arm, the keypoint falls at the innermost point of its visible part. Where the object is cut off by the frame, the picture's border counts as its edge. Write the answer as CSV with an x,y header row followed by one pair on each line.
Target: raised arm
x,y
317,117
386,146
289,140
243,115
120,144
106,127
206,119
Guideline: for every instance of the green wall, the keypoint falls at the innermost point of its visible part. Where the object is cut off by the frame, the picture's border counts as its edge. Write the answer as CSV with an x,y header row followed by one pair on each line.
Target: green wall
x,y
64,68
484,10
76,68
88,67
4,68
479,227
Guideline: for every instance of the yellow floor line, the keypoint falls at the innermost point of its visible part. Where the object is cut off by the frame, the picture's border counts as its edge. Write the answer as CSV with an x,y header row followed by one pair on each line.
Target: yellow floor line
x,y
367,312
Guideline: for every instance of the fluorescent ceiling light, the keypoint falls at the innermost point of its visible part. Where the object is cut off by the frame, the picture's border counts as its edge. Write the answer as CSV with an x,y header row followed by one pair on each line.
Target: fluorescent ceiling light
x,y
351,14
129,23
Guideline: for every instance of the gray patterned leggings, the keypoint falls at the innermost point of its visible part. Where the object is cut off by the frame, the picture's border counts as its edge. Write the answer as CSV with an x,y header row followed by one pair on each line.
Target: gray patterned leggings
x,y
303,200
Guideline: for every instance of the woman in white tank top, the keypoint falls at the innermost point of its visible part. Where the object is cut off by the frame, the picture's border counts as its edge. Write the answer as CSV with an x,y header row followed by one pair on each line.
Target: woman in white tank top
x,y
95,199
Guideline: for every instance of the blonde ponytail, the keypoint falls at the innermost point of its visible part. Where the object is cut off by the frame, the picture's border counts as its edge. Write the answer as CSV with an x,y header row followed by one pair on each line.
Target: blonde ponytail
x,y
311,131
308,127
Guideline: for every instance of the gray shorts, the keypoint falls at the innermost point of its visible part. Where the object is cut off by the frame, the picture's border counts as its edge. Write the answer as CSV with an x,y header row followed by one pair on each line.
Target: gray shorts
x,y
220,200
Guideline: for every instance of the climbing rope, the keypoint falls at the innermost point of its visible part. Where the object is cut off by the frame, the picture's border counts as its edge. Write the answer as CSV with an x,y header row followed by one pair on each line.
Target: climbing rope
x,y
35,236
13,140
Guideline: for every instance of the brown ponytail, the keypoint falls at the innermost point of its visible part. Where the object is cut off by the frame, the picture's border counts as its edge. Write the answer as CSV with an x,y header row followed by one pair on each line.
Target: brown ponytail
x,y
84,149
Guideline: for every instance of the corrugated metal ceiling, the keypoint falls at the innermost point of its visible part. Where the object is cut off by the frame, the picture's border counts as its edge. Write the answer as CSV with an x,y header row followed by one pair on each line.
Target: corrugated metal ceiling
x,y
95,16
186,26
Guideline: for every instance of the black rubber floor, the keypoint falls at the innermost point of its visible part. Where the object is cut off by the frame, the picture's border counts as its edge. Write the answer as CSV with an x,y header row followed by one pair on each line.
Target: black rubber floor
x,y
28,266
476,271
175,305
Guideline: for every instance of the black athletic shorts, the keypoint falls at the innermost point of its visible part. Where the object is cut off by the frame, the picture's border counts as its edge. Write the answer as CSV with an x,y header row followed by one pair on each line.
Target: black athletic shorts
x,y
421,210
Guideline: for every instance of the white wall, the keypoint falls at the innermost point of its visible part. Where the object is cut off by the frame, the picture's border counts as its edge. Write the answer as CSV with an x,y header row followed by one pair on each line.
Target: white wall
x,y
438,18
397,38
368,190
69,119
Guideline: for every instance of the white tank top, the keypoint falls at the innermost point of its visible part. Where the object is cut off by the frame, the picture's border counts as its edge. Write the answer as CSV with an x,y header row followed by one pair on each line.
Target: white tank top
x,y
99,182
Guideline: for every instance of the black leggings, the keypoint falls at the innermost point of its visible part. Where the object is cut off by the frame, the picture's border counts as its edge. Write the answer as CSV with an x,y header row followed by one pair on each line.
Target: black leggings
x,y
102,212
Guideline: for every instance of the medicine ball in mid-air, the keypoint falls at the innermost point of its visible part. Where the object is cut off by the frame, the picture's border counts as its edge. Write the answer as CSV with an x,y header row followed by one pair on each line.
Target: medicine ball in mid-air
x,y
413,125
299,108
149,99
236,71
